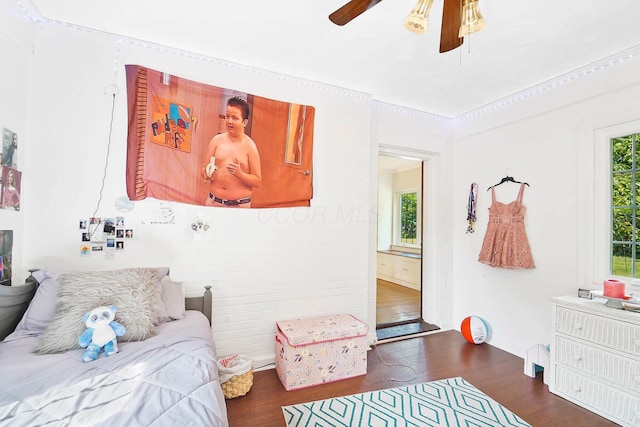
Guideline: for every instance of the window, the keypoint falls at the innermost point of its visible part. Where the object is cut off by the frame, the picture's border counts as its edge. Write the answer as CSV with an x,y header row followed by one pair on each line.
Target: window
x,y
408,218
607,156
407,229
625,178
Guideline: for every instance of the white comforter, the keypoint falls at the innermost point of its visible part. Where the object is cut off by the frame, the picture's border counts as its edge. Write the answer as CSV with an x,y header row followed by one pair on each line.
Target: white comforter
x,y
168,380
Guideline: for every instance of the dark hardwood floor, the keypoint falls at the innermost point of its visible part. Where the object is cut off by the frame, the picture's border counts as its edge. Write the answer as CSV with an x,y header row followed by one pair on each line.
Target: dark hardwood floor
x,y
436,356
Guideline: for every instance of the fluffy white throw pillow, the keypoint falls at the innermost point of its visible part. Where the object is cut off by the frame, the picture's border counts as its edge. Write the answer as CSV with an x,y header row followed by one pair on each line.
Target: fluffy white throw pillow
x,y
133,291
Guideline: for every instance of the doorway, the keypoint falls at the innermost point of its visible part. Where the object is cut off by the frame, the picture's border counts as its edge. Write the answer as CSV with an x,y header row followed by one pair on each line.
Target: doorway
x,y
399,248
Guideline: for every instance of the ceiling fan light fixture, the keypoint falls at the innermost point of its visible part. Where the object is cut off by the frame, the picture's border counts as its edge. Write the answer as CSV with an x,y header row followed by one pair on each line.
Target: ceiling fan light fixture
x,y
472,20
418,19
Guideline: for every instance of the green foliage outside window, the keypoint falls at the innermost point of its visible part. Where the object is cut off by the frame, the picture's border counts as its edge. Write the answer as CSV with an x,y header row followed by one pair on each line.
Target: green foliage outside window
x,y
625,249
409,218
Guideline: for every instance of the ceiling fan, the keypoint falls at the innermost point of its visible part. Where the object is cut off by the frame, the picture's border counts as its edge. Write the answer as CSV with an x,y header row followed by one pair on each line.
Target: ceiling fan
x,y
455,13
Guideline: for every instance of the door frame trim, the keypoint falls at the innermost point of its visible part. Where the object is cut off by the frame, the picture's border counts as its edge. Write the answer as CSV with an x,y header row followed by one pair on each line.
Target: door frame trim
x,y
432,296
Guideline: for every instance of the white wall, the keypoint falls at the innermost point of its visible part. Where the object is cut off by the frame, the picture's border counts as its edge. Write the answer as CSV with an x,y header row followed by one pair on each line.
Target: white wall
x,y
543,149
404,132
385,207
390,182
14,44
264,264
545,136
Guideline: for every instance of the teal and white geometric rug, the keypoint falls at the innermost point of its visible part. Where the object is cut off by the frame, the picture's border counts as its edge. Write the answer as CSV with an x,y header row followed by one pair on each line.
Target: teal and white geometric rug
x,y
450,402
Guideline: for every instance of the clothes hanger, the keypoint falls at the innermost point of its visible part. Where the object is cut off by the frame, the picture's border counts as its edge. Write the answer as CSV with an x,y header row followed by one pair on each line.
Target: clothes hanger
x,y
508,179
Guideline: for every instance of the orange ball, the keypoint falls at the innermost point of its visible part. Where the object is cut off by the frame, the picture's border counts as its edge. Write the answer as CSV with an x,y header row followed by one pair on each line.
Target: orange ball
x,y
474,329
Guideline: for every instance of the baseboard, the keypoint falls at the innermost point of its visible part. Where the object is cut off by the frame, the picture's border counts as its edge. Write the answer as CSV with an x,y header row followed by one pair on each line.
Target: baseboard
x,y
265,362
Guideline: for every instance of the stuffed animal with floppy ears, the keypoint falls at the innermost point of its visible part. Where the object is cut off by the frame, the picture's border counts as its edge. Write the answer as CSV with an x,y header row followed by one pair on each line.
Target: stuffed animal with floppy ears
x,y
102,332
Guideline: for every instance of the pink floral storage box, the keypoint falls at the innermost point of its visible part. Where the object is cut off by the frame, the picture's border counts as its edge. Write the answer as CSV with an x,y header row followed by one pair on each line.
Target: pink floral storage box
x,y
319,350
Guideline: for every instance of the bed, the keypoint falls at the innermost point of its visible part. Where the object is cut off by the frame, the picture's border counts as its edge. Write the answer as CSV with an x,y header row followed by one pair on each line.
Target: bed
x,y
165,373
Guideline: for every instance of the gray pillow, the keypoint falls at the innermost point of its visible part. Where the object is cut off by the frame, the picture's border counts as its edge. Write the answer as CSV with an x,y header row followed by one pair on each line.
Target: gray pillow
x,y
133,291
160,312
42,307
173,299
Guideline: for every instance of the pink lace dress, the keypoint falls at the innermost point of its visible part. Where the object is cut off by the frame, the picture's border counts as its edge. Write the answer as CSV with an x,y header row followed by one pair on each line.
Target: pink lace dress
x,y
505,243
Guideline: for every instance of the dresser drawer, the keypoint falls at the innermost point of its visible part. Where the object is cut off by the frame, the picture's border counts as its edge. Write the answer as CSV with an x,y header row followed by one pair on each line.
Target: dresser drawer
x,y
385,265
407,269
600,330
615,404
598,363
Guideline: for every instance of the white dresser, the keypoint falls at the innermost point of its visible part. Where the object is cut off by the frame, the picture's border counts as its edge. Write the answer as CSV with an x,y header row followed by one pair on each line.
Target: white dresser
x,y
595,358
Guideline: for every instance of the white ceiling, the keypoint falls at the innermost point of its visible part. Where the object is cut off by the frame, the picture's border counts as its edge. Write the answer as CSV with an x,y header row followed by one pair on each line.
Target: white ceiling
x,y
526,42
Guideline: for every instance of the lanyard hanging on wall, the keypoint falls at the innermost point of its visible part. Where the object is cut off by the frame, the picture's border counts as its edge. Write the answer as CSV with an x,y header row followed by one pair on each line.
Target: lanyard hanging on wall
x,y
471,208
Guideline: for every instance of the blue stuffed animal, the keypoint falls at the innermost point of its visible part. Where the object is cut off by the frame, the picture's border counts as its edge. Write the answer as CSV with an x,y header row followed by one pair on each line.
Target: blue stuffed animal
x,y
102,331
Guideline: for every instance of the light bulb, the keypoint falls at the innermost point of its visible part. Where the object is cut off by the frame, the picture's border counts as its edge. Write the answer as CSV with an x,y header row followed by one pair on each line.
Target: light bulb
x,y
418,19
472,19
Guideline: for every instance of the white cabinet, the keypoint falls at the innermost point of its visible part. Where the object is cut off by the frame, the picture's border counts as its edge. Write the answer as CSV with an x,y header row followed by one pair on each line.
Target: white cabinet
x,y
595,358
407,270
400,269
385,266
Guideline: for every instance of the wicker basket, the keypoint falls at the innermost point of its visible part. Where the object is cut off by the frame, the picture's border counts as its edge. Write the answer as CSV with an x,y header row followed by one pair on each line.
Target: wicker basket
x,y
236,374
238,385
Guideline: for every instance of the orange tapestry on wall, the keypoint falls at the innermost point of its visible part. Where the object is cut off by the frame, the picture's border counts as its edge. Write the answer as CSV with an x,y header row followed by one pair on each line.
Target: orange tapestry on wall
x,y
200,144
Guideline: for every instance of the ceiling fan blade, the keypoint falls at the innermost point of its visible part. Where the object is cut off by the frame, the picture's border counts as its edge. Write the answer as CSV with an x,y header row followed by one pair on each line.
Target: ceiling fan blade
x,y
451,20
351,10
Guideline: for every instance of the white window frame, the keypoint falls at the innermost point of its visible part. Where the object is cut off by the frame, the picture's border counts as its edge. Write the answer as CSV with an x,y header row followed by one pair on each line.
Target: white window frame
x,y
397,229
594,202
